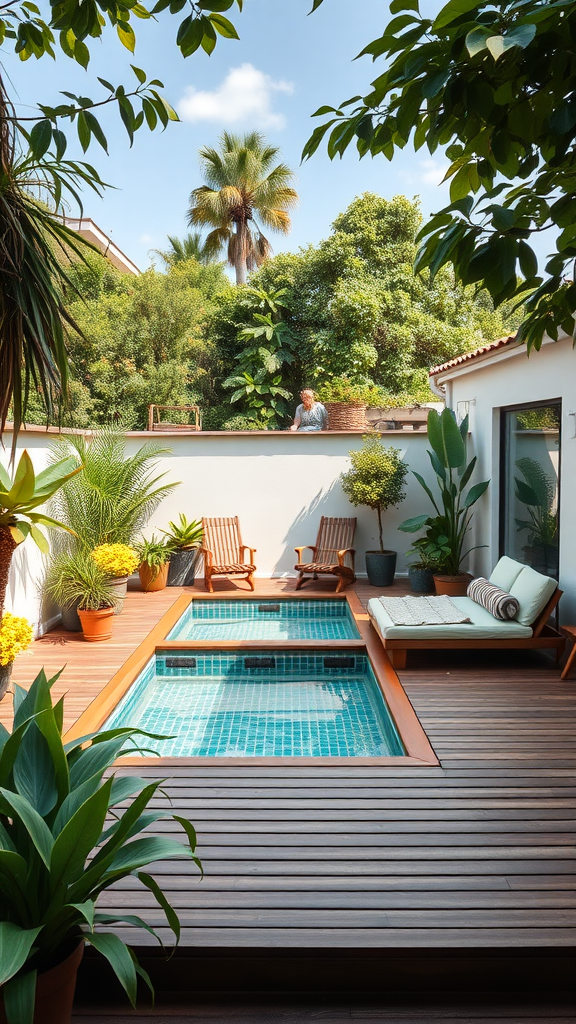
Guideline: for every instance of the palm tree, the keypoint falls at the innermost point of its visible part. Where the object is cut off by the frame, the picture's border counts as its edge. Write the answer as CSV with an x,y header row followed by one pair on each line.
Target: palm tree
x,y
241,181
191,247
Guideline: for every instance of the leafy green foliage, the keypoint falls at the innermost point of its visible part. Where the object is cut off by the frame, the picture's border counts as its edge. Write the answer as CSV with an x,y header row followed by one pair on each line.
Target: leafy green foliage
x,y
26,491
154,553
242,181
493,85
445,532
376,478
73,579
342,389
57,854
191,247
536,490
185,533
113,499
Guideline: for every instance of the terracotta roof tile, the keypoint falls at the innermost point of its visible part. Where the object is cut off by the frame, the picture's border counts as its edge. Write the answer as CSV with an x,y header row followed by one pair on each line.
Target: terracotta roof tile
x,y
467,356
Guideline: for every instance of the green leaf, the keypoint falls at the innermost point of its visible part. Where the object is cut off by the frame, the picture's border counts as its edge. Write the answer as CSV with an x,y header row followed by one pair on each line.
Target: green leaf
x,y
35,826
452,11
19,997
79,837
33,770
476,39
39,539
126,35
117,955
224,26
140,75
40,138
171,915
454,449
413,525
15,945
475,492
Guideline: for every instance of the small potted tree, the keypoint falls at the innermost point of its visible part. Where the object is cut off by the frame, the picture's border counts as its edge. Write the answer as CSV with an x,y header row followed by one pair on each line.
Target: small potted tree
x,y
154,557
448,528
184,538
376,480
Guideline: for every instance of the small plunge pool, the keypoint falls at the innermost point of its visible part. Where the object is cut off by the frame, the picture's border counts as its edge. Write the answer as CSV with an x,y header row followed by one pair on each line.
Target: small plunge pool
x,y
260,704
285,619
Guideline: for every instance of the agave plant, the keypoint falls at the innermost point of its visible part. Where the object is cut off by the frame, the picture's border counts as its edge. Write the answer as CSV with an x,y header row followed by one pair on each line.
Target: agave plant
x,y
117,493
58,852
446,531
184,534
19,497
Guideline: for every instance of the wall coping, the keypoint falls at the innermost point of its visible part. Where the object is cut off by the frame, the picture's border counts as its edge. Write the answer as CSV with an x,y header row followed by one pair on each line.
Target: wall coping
x,y
159,434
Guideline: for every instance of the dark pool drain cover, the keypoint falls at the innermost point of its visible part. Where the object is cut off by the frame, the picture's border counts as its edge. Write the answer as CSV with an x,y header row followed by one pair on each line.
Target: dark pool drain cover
x,y
259,662
180,662
268,607
341,662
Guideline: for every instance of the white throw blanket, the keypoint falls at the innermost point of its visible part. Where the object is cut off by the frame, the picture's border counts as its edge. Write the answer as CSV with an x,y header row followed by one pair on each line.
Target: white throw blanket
x,y
422,611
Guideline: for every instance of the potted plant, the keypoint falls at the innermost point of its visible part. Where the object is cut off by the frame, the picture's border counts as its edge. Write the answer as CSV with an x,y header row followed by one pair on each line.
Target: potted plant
x,y
78,580
118,561
56,586
15,636
376,480
448,528
67,835
184,539
346,401
19,498
154,557
424,559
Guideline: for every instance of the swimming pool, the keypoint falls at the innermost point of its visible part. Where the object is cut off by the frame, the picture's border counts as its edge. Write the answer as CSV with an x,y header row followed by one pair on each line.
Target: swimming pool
x,y
260,704
286,619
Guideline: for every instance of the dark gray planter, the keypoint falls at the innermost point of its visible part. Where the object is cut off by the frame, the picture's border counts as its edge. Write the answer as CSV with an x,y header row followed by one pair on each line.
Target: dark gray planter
x,y
71,619
381,566
182,567
421,580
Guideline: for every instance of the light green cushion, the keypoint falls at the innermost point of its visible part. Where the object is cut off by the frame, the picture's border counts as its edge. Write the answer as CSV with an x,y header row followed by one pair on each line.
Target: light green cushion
x,y
506,572
482,627
532,590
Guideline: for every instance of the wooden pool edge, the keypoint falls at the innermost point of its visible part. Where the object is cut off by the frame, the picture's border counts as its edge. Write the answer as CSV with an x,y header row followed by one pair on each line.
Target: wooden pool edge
x,y
419,752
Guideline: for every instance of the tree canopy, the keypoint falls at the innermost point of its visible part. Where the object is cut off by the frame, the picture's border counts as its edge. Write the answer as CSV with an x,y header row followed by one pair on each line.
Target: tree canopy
x,y
493,85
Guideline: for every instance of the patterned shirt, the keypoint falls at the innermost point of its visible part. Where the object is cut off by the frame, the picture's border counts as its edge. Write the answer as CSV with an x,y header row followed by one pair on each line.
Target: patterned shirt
x,y
315,418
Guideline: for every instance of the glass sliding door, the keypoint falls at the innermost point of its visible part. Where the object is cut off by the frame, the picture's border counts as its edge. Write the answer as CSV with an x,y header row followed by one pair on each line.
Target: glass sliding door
x,y
530,485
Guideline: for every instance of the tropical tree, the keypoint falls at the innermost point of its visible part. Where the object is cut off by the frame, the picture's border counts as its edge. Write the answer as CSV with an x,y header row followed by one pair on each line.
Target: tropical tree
x,y
191,247
242,180
493,84
34,243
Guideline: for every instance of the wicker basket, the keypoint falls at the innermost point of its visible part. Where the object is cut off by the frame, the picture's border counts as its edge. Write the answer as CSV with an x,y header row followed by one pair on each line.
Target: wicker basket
x,y
346,417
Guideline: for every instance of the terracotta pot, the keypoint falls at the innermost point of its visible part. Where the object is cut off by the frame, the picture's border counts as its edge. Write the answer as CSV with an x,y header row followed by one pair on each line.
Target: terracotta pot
x,y
55,991
153,579
97,625
452,586
5,673
119,586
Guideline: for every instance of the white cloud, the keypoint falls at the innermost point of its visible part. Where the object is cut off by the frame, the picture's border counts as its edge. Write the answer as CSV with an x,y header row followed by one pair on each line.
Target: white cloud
x,y
433,171
245,96
146,239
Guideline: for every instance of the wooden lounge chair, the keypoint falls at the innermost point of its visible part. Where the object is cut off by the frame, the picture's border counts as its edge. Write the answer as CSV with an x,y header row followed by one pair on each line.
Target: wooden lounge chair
x,y
224,552
483,632
332,551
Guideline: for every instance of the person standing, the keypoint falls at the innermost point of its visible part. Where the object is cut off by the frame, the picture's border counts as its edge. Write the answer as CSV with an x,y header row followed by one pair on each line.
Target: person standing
x,y
310,415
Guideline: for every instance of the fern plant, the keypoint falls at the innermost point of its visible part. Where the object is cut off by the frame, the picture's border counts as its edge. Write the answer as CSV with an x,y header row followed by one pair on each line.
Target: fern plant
x,y
117,494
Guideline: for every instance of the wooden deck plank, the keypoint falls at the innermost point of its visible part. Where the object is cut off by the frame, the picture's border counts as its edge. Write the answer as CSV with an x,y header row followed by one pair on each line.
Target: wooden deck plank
x,y
477,853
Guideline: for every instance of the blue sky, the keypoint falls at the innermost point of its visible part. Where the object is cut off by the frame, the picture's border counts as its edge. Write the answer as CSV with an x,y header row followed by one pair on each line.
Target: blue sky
x,y
283,68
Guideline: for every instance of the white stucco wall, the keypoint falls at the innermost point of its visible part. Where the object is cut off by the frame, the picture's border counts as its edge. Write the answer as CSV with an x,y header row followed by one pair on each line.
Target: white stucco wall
x,y
505,378
279,484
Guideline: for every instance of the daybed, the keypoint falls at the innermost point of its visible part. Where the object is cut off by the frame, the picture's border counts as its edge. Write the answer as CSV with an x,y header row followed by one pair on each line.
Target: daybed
x,y
537,596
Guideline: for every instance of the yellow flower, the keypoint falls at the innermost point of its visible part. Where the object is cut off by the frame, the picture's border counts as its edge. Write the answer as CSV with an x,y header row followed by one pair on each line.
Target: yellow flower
x,y
116,559
15,636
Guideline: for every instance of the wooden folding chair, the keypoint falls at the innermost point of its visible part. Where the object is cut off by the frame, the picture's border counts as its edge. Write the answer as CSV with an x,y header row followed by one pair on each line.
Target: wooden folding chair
x,y
333,553
224,552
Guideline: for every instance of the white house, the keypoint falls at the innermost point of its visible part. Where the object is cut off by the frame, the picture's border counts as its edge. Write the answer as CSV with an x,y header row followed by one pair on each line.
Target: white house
x,y
522,412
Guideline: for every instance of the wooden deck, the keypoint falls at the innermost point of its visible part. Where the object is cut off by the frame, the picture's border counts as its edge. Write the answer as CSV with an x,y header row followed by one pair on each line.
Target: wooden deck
x,y
476,855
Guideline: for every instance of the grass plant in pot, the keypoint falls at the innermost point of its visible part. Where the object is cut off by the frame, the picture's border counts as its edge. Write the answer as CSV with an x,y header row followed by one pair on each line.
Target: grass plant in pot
x,y
376,480
448,528
75,577
70,828
118,561
184,539
154,557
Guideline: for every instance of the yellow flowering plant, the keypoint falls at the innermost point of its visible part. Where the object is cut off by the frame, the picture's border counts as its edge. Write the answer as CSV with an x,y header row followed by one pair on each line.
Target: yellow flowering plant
x,y
116,559
15,636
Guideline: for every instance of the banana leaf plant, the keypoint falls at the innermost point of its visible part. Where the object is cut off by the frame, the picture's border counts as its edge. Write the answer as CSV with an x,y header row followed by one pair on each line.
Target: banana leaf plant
x,y
447,530
19,497
64,839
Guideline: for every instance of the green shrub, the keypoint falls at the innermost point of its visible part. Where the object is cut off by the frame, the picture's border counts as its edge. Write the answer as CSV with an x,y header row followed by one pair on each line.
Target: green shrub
x,y
376,478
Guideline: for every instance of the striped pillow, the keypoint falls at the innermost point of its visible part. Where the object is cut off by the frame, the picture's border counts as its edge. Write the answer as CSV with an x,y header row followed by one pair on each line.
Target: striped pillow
x,y
500,604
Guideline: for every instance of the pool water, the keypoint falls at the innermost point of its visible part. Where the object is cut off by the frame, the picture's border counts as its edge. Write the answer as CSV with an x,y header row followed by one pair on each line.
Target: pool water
x,y
284,619
262,704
